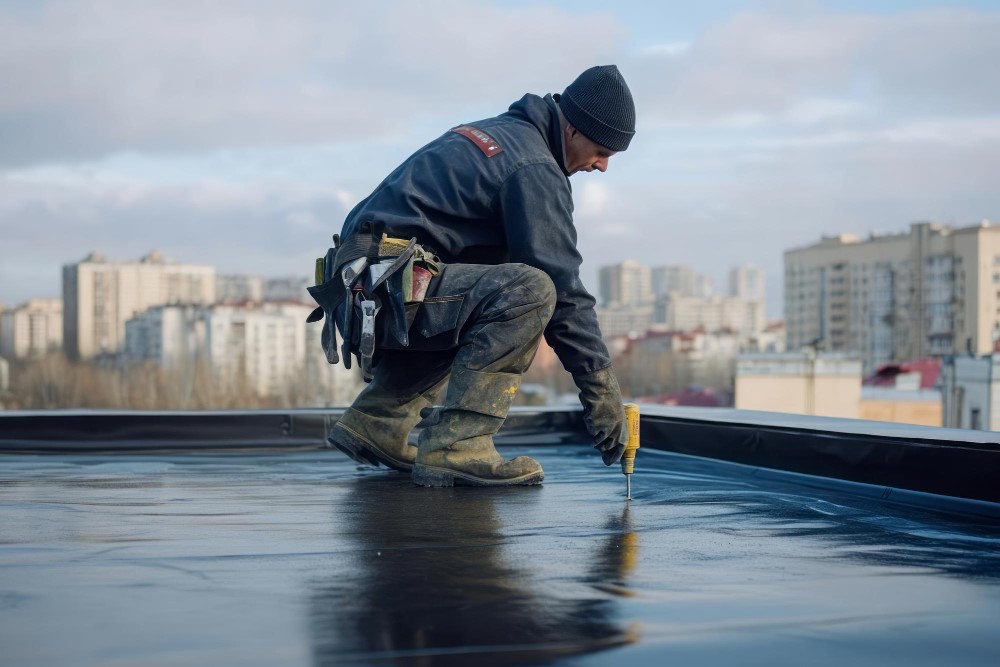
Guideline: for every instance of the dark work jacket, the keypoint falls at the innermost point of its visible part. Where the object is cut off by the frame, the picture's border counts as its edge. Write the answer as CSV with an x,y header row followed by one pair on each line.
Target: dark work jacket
x,y
512,206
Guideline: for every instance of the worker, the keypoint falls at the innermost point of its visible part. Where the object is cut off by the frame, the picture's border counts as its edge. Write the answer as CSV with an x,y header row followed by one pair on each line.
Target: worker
x,y
453,269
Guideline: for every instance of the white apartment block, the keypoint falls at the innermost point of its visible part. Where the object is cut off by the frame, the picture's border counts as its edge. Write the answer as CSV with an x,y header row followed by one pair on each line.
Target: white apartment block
x,y
624,320
626,284
679,313
770,339
100,296
32,329
931,291
268,346
237,288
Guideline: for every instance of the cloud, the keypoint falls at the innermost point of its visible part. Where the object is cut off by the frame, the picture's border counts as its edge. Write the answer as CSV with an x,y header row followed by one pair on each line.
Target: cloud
x,y
810,68
240,134
86,79
265,227
665,49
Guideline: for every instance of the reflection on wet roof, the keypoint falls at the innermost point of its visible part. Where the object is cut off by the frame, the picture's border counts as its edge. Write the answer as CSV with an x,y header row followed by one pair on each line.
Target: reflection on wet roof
x,y
302,558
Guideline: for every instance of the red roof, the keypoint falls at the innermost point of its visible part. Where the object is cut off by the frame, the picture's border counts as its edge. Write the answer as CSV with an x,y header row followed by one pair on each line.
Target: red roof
x,y
885,376
692,396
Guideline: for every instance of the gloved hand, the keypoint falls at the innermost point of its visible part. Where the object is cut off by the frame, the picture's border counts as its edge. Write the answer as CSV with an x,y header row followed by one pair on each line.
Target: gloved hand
x,y
603,413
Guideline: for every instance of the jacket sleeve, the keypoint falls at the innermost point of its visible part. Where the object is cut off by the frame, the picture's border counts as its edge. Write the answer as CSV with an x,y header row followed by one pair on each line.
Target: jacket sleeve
x,y
536,206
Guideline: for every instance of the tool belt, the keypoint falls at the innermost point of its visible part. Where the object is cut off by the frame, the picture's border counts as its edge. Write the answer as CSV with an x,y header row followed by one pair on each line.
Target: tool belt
x,y
357,280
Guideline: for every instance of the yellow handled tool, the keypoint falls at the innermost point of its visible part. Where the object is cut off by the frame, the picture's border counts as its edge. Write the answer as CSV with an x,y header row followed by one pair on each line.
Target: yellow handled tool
x,y
628,458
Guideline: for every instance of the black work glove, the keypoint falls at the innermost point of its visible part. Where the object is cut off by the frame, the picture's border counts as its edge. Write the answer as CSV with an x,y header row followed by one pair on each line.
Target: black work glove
x,y
603,413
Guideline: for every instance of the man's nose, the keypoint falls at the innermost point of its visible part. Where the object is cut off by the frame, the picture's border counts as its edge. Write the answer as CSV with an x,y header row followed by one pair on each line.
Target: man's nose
x,y
601,166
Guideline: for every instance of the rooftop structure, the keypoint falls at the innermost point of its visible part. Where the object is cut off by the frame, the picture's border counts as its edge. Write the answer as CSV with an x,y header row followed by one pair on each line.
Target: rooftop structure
x,y
748,535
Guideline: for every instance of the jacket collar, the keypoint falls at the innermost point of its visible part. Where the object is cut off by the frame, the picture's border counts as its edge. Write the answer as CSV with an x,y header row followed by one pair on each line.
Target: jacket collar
x,y
543,113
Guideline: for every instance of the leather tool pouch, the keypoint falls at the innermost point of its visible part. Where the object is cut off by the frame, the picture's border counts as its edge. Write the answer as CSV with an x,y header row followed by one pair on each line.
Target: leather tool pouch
x,y
395,280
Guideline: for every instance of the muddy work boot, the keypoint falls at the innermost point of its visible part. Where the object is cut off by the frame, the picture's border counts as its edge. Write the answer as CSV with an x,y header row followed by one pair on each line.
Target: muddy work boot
x,y
457,448
375,428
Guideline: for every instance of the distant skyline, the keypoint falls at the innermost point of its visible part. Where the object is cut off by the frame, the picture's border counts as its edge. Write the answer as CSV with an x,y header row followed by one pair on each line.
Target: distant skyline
x,y
240,134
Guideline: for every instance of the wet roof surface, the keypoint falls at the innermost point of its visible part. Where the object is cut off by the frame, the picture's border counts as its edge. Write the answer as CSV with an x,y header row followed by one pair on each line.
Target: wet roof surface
x,y
304,559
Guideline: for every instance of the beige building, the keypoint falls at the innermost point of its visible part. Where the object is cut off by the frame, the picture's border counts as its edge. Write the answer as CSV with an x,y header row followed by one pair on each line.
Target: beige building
x,y
931,291
32,329
624,320
681,313
914,406
626,284
101,295
799,382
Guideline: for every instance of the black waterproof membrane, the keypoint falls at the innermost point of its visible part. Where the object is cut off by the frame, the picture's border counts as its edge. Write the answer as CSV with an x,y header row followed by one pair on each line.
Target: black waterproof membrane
x,y
236,539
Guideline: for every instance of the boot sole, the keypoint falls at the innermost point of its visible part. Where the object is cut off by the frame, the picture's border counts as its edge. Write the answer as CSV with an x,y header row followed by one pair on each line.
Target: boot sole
x,y
363,452
432,476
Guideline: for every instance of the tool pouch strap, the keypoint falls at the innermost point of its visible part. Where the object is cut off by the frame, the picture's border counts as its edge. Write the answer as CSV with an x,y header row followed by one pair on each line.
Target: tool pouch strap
x,y
331,294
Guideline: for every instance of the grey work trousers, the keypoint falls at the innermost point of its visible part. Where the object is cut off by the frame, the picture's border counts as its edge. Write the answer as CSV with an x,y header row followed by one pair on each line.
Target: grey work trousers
x,y
486,318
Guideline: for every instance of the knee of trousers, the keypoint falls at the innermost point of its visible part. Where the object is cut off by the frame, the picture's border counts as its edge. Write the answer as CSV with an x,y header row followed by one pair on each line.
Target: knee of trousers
x,y
539,284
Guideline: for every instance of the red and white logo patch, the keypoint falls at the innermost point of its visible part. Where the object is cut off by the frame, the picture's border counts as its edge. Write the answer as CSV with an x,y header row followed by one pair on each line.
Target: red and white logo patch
x,y
485,142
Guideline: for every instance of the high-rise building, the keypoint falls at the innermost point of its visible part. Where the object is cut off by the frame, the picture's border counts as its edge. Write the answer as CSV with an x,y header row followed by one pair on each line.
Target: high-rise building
x,y
931,291
237,288
747,282
290,288
626,284
100,296
706,287
682,280
33,328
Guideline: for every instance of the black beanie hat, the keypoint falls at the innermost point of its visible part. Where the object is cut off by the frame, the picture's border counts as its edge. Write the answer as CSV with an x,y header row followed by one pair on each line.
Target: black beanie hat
x,y
599,104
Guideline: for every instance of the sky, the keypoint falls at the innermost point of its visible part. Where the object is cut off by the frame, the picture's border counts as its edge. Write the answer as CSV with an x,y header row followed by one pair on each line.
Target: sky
x,y
239,134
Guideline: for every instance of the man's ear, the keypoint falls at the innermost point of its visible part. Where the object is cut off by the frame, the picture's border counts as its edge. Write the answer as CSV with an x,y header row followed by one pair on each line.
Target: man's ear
x,y
571,131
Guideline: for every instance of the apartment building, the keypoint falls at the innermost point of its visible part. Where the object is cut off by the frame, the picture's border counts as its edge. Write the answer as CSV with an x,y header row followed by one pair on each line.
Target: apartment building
x,y
747,283
679,279
805,383
618,320
931,291
31,329
267,346
238,288
100,295
288,288
626,284
716,313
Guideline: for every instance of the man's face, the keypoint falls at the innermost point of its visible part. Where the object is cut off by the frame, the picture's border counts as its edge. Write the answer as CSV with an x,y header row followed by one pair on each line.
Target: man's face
x,y
582,154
